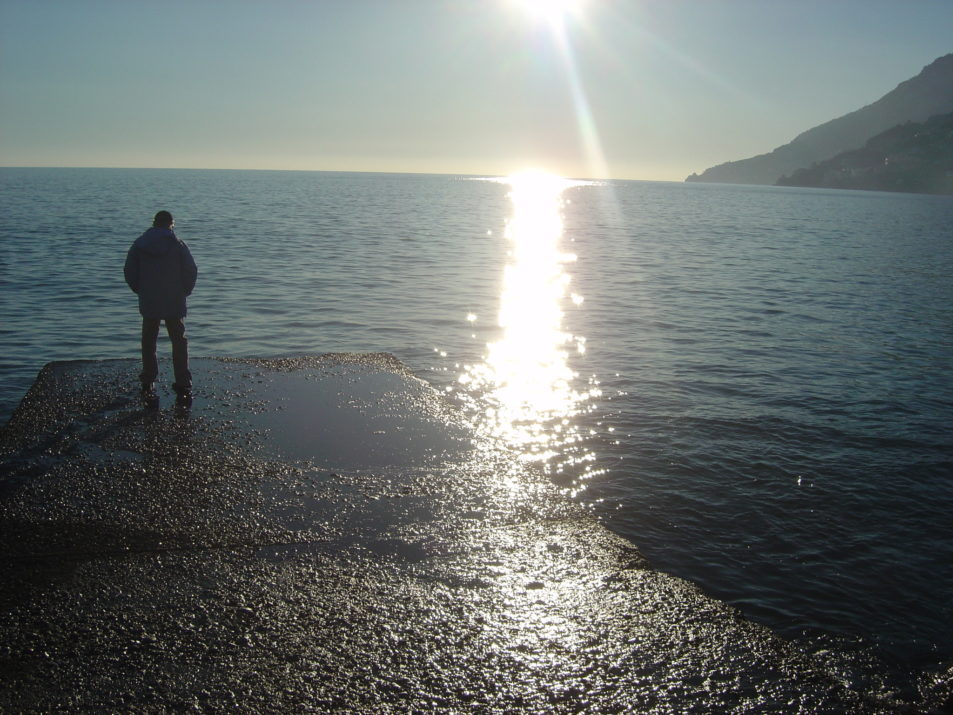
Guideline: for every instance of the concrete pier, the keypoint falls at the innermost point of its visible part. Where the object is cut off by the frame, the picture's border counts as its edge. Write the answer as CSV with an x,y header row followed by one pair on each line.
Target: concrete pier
x,y
325,534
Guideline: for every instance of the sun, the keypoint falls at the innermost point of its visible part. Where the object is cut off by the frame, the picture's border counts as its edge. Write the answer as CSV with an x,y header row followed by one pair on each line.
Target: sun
x,y
553,12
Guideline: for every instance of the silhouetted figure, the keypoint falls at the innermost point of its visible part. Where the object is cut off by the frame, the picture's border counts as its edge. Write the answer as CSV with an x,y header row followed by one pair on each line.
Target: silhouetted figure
x,y
161,271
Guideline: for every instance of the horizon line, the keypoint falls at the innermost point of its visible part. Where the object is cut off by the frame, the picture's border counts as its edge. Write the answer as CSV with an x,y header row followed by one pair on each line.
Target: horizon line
x,y
323,171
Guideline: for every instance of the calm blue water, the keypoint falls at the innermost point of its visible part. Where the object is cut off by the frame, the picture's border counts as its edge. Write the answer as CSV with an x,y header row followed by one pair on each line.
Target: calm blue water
x,y
776,365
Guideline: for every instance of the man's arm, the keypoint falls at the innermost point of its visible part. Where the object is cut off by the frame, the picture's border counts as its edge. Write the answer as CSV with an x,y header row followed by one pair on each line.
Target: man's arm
x,y
131,269
189,270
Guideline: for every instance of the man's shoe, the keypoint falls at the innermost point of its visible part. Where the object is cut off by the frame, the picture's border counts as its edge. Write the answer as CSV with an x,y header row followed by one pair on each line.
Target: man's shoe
x,y
149,395
183,395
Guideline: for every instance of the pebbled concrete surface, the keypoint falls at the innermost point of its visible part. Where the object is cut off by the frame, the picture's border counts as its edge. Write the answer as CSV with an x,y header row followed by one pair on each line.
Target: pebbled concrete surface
x,y
323,534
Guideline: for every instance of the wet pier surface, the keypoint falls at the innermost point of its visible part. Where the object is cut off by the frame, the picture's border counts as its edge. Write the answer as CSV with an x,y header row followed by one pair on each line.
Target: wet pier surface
x,y
325,534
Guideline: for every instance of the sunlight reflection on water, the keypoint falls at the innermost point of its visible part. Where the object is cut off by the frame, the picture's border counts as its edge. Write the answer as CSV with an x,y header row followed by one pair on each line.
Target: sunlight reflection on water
x,y
528,392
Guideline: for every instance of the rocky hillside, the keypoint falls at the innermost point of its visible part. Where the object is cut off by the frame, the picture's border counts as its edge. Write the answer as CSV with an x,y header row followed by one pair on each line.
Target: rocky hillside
x,y
928,94
909,157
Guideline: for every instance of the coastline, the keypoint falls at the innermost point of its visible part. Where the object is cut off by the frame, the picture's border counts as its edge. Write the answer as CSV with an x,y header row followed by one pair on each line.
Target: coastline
x,y
169,558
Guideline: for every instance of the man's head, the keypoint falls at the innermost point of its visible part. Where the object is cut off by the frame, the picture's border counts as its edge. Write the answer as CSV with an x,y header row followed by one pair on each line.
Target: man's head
x,y
163,219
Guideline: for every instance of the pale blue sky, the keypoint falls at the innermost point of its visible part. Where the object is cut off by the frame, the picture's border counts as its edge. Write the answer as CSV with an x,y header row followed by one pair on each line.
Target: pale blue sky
x,y
649,89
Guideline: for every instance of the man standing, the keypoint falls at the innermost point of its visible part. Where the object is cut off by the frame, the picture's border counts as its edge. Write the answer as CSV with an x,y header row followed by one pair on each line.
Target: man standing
x,y
161,271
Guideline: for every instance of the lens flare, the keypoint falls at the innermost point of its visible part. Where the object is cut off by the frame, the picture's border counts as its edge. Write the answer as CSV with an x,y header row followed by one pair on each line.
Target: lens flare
x,y
553,12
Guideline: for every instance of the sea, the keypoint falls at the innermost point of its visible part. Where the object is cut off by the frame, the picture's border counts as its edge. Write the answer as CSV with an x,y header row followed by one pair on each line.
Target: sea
x,y
752,384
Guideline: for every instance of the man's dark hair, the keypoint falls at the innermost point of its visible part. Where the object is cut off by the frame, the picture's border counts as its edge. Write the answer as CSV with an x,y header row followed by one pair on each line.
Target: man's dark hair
x,y
163,219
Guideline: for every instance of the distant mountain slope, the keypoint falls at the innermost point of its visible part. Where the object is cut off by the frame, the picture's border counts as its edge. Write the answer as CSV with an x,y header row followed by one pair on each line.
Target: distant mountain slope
x,y
917,99
909,157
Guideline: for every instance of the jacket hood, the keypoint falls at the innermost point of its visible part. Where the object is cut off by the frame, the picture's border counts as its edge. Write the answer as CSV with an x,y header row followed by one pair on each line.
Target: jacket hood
x,y
157,241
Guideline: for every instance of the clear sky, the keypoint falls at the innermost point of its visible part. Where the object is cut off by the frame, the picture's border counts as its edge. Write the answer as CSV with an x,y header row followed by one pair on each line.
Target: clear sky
x,y
643,89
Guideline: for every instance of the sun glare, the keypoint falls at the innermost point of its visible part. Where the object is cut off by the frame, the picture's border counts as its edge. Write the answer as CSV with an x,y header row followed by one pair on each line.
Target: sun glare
x,y
553,12
530,389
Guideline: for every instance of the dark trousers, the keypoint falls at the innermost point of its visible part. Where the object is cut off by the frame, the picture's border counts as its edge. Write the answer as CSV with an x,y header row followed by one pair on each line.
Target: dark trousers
x,y
180,351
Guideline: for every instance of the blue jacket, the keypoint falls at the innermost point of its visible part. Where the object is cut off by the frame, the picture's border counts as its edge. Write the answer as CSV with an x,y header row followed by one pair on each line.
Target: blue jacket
x,y
161,271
